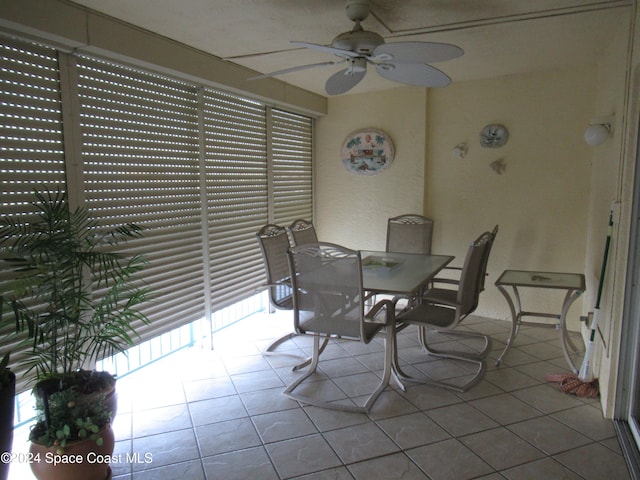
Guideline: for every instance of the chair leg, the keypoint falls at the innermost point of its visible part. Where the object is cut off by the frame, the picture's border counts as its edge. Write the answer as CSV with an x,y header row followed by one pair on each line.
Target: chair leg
x,y
477,377
453,354
270,350
313,366
389,348
396,372
478,361
308,360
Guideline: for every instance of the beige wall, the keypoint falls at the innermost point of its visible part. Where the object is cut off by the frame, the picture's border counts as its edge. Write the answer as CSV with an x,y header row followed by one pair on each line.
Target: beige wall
x,y
351,209
612,180
542,198
552,202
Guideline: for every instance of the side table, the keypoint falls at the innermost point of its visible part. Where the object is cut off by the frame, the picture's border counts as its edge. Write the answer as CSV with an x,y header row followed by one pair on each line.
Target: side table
x,y
573,283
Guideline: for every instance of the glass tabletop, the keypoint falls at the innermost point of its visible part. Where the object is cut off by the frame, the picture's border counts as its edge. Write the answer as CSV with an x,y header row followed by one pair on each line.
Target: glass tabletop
x,y
528,278
399,273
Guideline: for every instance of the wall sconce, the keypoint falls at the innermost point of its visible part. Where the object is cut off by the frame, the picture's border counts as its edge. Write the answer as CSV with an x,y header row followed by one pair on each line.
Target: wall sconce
x,y
598,131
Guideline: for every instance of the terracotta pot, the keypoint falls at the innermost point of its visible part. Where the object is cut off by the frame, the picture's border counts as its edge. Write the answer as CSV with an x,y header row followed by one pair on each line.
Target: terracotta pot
x,y
109,399
82,460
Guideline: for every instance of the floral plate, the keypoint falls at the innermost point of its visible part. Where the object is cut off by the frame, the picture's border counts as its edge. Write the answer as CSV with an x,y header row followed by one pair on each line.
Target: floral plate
x,y
367,151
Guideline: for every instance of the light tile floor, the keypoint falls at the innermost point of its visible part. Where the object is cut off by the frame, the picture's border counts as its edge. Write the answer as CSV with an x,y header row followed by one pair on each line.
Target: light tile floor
x,y
200,414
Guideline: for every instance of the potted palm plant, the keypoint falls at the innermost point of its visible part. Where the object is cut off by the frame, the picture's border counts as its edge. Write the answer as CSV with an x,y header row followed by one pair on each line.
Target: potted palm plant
x,y
75,299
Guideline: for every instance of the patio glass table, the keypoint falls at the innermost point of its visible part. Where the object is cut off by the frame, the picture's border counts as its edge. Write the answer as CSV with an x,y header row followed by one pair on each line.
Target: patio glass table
x,y
399,273
390,273
573,283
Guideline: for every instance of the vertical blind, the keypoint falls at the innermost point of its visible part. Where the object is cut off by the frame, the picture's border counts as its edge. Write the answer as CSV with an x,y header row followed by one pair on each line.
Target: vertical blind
x,y
200,170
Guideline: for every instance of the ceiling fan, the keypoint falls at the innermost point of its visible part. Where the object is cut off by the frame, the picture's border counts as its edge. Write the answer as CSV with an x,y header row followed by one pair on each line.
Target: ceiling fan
x,y
404,62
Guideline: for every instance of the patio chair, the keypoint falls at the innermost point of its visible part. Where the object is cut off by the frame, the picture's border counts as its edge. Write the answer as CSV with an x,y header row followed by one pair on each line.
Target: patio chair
x,y
328,301
409,234
445,314
274,242
301,232
449,294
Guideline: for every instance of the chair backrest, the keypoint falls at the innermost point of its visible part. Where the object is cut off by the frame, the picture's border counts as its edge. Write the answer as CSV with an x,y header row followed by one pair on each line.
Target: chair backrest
x,y
274,242
327,290
485,258
473,272
301,232
409,234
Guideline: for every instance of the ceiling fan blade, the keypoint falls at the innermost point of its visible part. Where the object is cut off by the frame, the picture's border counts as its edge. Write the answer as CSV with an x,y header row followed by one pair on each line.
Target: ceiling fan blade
x,y
292,69
323,48
417,74
343,81
417,52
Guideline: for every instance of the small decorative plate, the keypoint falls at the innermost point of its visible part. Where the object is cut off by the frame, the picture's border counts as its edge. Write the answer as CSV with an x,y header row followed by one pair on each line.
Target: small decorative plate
x,y
367,151
494,136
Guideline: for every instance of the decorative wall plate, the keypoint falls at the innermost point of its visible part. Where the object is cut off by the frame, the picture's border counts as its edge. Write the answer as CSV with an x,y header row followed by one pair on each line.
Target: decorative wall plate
x,y
494,136
367,151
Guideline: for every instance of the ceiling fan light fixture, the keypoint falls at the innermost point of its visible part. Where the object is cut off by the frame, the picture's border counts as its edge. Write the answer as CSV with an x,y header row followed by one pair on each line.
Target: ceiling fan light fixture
x,y
358,64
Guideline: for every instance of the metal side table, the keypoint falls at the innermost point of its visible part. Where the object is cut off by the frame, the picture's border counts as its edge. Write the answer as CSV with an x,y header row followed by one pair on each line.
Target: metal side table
x,y
573,283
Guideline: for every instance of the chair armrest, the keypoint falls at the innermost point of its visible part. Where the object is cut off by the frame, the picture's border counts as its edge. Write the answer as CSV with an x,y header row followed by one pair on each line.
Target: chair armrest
x,y
386,304
264,286
449,280
397,298
447,298
442,301
452,268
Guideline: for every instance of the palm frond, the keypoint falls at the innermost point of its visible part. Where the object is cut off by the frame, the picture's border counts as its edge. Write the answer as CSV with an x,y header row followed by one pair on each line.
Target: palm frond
x,y
75,297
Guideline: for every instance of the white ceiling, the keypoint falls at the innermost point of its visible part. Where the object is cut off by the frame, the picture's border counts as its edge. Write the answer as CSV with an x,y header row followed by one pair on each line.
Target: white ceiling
x,y
499,37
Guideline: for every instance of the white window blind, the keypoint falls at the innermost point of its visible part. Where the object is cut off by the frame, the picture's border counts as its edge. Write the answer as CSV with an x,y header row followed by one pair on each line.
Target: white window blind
x,y
31,147
201,170
291,149
141,163
31,124
236,194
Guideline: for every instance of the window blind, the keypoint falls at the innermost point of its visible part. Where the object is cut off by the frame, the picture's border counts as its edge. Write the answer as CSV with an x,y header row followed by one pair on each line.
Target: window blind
x,y
201,170
292,151
31,147
236,194
141,165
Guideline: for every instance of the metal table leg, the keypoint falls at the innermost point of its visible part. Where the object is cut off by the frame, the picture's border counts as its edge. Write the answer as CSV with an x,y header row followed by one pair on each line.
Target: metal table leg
x,y
570,297
515,319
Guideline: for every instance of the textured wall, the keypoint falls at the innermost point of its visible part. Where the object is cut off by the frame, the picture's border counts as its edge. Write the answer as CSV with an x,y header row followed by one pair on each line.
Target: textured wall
x,y
351,209
540,201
